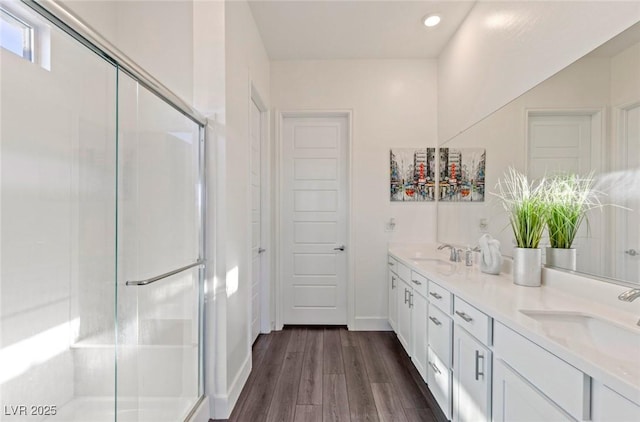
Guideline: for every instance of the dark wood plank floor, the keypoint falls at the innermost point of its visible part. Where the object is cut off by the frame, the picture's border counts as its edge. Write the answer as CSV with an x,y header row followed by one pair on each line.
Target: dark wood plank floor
x,y
322,374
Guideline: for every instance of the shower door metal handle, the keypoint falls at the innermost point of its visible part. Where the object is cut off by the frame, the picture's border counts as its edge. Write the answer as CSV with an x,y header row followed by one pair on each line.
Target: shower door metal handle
x,y
161,276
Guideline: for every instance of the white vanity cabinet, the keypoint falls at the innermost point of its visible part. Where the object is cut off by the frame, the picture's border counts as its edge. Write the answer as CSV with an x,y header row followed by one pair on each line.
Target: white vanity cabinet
x,y
558,387
439,381
440,340
483,369
440,329
408,291
392,290
516,399
412,325
403,324
609,406
419,332
400,277
471,378
440,297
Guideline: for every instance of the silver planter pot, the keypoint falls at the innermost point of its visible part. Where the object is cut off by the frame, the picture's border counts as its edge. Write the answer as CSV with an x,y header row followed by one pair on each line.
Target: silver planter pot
x,y
561,258
527,267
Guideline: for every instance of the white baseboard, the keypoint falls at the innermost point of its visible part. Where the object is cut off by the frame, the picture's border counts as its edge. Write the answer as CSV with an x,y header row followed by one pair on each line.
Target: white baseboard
x,y
223,404
371,324
201,414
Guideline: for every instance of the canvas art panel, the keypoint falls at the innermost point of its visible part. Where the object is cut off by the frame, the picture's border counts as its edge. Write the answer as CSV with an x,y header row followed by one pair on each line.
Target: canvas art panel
x,y
412,174
462,172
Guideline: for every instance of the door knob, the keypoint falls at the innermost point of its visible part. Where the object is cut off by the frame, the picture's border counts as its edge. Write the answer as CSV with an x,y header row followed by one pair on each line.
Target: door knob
x,y
261,250
339,248
631,252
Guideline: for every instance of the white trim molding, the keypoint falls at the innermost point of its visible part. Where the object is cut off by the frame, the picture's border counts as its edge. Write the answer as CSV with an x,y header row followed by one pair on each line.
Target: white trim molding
x,y
371,324
223,404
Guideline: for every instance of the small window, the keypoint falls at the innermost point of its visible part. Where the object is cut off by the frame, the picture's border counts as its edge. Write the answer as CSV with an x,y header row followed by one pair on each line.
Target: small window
x,y
16,35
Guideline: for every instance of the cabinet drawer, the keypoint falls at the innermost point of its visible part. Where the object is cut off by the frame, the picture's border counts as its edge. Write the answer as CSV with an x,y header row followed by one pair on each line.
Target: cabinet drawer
x,y
403,272
440,297
440,334
555,378
477,323
393,264
419,283
439,380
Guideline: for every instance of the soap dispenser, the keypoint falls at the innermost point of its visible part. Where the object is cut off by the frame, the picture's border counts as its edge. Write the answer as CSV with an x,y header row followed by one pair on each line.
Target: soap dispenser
x,y
468,256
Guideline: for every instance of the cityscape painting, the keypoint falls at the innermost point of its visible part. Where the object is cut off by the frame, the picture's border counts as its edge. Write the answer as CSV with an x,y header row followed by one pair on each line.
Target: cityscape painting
x,y
462,173
413,172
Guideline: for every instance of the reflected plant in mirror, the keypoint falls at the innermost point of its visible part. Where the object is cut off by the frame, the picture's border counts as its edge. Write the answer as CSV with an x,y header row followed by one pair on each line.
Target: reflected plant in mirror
x,y
568,198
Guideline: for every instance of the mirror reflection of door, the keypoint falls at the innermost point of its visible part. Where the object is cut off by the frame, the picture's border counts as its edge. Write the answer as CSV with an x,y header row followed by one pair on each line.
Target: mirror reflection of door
x,y
627,224
569,142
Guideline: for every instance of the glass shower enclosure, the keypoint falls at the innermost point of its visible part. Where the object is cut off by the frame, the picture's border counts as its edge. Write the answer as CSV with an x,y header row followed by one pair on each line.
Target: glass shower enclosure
x,y
101,250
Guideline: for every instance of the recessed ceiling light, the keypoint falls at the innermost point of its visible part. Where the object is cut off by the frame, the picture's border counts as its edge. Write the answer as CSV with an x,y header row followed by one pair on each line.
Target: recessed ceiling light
x,y
431,20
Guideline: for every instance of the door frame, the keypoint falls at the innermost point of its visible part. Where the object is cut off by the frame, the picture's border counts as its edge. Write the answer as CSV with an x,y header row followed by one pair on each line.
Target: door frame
x,y
265,214
280,115
618,163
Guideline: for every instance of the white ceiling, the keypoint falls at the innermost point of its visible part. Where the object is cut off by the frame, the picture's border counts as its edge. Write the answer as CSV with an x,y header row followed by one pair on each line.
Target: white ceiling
x,y
355,29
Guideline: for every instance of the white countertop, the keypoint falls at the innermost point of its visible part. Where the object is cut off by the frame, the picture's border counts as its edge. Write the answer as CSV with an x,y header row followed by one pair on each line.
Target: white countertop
x,y
500,298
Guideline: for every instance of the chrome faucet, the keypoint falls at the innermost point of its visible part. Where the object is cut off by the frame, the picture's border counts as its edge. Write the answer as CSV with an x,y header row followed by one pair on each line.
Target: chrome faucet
x,y
629,295
454,253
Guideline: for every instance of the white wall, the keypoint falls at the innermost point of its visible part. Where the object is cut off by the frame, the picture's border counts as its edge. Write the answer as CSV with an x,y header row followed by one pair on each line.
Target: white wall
x,y
394,105
157,35
625,83
246,62
503,49
100,15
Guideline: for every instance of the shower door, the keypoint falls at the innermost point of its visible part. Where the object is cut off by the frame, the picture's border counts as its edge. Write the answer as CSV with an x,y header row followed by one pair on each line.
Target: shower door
x,y
101,235
159,257
58,223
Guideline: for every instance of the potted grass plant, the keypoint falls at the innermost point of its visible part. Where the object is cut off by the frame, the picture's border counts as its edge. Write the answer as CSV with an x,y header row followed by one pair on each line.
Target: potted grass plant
x,y
524,202
568,198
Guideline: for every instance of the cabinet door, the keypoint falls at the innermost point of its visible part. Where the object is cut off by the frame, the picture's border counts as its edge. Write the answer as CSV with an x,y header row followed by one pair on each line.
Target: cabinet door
x,y
471,378
419,333
609,406
517,400
403,323
393,300
439,380
440,333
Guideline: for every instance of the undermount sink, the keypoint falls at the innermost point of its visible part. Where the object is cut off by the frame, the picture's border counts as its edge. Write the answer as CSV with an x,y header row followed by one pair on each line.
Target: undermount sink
x,y
440,264
590,334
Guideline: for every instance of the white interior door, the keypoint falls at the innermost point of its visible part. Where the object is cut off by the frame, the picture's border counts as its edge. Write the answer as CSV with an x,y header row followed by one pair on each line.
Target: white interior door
x,y
565,142
256,220
314,220
628,221
559,143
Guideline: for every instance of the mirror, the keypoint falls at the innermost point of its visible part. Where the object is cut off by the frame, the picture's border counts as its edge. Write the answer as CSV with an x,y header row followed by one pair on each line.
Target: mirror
x,y
584,118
